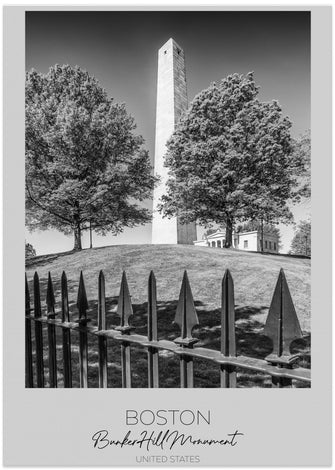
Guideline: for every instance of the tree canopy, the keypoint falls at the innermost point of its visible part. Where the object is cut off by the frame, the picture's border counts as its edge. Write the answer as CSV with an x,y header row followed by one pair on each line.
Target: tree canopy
x,y
231,159
30,250
255,225
302,149
84,162
301,243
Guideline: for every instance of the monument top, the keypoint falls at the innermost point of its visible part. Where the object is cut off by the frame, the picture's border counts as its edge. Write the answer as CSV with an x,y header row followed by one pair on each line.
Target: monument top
x,y
169,44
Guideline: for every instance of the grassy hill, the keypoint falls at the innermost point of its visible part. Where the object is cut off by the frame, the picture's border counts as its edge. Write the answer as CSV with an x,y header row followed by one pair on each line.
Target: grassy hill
x,y
254,277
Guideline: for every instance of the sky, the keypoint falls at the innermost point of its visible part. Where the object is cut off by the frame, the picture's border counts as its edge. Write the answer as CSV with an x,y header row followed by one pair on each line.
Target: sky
x,y
120,50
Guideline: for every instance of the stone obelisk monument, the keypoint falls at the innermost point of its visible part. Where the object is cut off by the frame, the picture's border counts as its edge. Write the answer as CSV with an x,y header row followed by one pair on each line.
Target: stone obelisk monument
x,y
171,102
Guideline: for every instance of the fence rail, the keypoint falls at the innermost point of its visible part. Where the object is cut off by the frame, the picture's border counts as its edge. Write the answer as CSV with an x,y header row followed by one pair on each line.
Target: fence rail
x,y
282,327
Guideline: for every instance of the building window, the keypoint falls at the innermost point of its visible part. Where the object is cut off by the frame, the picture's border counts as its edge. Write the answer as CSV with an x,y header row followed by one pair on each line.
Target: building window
x,y
219,243
266,243
269,245
213,244
245,244
275,246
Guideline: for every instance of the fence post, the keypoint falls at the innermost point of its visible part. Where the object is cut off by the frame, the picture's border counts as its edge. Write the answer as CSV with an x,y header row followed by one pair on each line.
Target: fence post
x,y
38,333
50,300
228,338
125,310
282,327
102,340
186,318
82,305
29,347
153,375
66,334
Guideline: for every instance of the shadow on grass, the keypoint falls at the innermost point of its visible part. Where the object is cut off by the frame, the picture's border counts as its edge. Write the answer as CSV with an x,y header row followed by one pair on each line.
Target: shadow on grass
x,y
43,260
249,342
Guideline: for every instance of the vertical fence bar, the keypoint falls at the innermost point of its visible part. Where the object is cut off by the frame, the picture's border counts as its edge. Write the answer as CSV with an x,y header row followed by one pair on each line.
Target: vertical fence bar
x,y
153,374
186,318
186,372
125,364
282,327
102,340
66,334
82,305
125,310
29,346
50,300
38,333
228,337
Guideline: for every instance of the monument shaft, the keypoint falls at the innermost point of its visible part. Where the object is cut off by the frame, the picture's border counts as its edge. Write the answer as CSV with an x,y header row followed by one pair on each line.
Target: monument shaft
x,y
171,102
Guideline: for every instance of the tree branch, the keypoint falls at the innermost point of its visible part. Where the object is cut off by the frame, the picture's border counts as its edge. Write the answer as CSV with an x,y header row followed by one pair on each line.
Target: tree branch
x,y
47,210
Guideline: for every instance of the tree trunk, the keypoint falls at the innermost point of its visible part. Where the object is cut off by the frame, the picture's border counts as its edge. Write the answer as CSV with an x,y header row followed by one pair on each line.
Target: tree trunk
x,y
77,239
229,233
262,236
91,243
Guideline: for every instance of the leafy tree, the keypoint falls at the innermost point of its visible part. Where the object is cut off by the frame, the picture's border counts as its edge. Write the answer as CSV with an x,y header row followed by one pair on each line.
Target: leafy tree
x,y
231,159
30,251
301,243
302,149
252,225
84,164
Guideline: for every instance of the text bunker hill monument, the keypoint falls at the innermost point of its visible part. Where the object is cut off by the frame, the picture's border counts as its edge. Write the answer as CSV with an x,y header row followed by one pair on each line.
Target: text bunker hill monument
x,y
171,103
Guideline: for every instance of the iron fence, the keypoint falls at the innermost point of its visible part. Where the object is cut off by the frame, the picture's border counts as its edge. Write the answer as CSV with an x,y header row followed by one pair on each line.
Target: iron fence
x,y
282,327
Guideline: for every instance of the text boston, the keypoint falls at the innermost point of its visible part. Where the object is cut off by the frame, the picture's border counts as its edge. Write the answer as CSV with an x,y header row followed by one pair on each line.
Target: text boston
x,y
167,417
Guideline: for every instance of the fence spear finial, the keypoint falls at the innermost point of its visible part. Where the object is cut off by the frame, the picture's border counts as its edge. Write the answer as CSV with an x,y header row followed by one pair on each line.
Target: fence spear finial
x,y
50,298
282,324
124,307
228,339
82,303
65,298
101,302
152,308
27,297
186,316
37,296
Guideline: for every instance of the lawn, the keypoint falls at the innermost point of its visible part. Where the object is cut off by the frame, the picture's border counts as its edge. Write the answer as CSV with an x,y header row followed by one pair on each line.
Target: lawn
x,y
254,277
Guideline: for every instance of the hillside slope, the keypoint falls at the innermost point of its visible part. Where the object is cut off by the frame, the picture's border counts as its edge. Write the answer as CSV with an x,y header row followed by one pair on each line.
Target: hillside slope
x,y
254,276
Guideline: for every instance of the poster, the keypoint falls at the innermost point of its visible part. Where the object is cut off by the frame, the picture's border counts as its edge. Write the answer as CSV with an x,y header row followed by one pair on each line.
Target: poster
x,y
181,311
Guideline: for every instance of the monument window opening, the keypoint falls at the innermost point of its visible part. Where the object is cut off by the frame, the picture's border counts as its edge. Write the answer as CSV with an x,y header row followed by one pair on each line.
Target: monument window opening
x,y
245,244
213,244
165,52
219,243
274,246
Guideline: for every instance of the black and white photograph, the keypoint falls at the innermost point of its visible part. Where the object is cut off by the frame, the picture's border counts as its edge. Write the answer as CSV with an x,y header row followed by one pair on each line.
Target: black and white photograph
x,y
167,235
168,199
